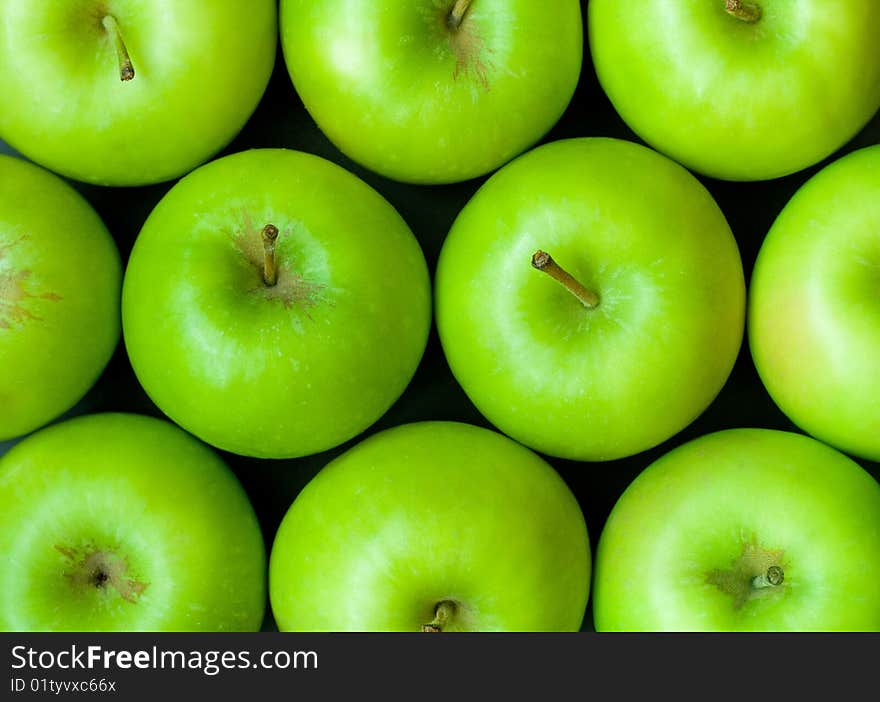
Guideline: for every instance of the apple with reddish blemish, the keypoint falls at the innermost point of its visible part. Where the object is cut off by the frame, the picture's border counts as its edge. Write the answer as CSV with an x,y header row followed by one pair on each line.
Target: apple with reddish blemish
x,y
275,305
433,91
60,283
120,522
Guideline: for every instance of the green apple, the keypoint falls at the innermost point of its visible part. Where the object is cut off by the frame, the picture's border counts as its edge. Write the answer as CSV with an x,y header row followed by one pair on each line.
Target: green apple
x,y
432,526
743,530
632,323
433,91
128,92
60,282
814,310
275,305
740,90
121,522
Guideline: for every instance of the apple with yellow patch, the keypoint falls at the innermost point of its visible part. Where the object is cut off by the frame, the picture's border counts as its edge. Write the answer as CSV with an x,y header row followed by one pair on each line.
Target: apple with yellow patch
x,y
814,306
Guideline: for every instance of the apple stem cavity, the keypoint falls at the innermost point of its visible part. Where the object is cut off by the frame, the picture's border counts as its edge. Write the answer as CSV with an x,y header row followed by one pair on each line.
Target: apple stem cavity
x,y
457,14
126,70
442,614
772,578
270,272
91,568
544,262
745,11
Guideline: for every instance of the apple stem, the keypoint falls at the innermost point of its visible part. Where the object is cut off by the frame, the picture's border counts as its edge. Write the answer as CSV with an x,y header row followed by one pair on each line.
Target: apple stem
x,y
772,578
126,70
457,14
270,272
544,262
442,614
745,11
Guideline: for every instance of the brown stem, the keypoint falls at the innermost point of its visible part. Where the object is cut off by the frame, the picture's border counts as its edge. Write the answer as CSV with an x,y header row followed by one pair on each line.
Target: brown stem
x,y
457,14
270,272
442,614
544,262
126,70
745,11
772,578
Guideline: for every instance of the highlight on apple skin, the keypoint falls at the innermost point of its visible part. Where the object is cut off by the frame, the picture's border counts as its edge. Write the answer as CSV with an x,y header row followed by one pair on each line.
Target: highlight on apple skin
x,y
743,530
122,522
814,306
60,283
434,527
590,299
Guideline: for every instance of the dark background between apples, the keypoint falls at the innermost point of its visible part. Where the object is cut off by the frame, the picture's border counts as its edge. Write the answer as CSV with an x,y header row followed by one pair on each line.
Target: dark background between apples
x,y
281,121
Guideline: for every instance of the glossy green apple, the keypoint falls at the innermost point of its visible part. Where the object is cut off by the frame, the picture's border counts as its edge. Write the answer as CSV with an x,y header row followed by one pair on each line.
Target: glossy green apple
x,y
433,91
128,92
644,330
286,362
743,530
60,281
120,522
432,526
814,311
745,90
